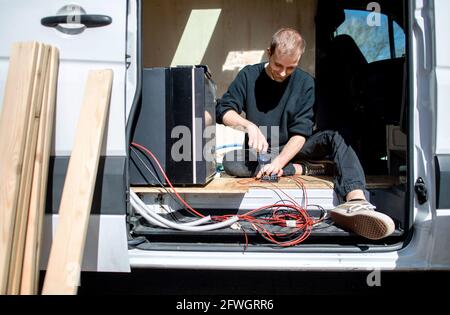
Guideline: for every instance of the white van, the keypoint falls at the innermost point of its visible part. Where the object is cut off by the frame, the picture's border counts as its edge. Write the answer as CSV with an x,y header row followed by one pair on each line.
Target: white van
x,y
394,86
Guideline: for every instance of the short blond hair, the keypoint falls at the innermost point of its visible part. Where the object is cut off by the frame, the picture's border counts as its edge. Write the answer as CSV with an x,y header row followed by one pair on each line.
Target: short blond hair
x,y
288,41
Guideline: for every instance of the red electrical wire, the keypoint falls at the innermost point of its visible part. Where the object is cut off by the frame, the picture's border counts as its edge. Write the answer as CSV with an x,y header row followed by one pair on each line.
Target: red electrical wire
x,y
141,147
300,221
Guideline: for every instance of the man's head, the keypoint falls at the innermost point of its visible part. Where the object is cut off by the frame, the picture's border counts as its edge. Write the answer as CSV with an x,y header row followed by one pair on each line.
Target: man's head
x,y
284,53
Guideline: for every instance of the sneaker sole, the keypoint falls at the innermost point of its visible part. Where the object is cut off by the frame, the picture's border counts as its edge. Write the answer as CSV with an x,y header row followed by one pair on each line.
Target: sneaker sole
x,y
369,224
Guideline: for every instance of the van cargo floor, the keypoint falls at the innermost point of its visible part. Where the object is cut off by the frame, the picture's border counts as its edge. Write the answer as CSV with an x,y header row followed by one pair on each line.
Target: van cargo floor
x,y
228,195
324,232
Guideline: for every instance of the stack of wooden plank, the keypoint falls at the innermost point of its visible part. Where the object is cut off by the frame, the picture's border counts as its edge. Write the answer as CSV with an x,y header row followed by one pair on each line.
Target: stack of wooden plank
x,y
26,124
25,141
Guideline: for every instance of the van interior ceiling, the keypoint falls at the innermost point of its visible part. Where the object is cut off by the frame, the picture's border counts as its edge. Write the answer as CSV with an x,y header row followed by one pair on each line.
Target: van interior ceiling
x,y
357,51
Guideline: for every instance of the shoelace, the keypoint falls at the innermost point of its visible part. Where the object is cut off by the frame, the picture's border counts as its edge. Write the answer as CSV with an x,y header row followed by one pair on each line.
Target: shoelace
x,y
360,206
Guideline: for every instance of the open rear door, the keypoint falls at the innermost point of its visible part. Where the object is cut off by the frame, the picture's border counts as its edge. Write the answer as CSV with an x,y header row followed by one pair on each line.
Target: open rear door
x,y
431,149
442,143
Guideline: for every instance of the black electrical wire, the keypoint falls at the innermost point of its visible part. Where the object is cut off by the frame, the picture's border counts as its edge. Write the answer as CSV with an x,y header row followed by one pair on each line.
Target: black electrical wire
x,y
160,183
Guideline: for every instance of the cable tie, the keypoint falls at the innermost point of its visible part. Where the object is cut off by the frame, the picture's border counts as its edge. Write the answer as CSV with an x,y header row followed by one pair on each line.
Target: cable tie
x,y
291,223
236,226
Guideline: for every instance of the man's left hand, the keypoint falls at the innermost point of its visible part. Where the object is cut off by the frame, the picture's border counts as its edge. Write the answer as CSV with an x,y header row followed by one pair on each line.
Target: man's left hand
x,y
273,168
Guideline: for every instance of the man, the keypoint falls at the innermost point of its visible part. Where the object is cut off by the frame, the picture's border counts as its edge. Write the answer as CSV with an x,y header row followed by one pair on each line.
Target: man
x,y
278,94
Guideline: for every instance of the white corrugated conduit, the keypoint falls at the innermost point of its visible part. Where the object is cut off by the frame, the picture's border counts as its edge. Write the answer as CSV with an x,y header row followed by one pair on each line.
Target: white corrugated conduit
x,y
193,226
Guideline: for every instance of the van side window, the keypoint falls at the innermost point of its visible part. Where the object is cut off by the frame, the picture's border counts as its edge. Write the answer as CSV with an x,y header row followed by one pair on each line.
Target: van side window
x,y
399,40
373,40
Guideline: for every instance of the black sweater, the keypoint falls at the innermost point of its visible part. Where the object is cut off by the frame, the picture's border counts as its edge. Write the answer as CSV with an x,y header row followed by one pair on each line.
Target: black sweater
x,y
287,104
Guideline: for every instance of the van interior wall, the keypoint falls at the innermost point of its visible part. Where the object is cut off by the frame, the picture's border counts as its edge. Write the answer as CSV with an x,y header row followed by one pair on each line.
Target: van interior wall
x,y
225,35
239,35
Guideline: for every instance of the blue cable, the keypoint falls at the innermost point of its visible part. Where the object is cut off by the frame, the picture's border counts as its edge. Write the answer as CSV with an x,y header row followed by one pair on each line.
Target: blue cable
x,y
234,145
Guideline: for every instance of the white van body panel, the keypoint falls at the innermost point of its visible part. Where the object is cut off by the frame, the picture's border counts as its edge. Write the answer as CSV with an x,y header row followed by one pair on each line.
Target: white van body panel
x,y
102,251
94,48
102,47
131,54
441,237
442,22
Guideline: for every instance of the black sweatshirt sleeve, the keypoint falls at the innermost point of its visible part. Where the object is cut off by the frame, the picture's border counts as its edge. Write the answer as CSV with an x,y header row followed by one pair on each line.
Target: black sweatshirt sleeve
x,y
301,122
234,98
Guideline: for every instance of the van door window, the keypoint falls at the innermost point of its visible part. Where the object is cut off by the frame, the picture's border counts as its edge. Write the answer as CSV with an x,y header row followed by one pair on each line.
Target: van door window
x,y
373,40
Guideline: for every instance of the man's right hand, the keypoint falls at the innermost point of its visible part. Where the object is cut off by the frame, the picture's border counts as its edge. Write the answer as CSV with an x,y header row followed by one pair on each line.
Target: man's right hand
x,y
256,139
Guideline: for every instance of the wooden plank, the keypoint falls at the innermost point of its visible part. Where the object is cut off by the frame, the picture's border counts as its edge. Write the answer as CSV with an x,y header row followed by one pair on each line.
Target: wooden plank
x,y
30,270
232,185
13,122
64,266
19,235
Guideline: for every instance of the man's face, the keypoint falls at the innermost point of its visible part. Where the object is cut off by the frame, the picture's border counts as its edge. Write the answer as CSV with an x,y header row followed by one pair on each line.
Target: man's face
x,y
281,65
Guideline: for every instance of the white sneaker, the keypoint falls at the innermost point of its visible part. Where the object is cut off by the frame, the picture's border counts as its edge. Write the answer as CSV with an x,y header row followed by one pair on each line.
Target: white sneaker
x,y
361,218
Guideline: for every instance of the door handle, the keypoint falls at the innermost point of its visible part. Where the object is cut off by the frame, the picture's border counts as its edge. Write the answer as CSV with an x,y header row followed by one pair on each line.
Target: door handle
x,y
88,20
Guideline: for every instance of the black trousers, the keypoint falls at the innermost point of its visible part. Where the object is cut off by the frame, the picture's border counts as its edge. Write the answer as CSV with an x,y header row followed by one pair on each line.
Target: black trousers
x,y
328,145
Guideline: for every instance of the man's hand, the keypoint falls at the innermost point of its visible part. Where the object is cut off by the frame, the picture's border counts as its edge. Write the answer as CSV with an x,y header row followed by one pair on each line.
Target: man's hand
x,y
256,139
291,148
274,168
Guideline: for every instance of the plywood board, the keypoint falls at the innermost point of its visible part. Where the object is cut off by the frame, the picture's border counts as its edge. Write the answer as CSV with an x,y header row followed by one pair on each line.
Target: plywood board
x,y
232,185
243,31
64,266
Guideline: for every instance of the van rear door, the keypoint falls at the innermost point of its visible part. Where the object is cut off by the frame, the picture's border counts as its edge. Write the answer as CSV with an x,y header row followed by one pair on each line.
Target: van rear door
x,y
89,35
440,187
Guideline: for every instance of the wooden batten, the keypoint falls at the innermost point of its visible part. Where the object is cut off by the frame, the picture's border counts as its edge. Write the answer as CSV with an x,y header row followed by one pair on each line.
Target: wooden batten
x,y
19,235
14,120
64,265
30,270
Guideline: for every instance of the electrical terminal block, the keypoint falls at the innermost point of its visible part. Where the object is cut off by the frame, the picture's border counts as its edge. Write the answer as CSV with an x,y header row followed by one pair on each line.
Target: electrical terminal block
x,y
270,178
